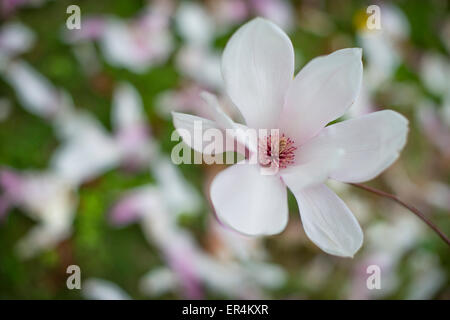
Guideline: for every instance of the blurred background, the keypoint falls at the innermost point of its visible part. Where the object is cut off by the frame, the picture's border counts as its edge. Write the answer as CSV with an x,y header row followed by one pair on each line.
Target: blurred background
x,y
85,171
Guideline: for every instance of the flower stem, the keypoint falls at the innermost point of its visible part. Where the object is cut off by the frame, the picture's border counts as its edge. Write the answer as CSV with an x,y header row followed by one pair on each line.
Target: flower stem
x,y
407,206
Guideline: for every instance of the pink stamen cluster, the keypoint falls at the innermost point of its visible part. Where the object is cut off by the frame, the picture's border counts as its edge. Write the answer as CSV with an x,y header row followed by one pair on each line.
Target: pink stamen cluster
x,y
281,153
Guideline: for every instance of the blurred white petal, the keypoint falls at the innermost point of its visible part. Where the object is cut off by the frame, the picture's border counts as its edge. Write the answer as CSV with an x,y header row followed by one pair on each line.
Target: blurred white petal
x,y
435,73
194,23
180,196
15,38
34,91
127,109
158,281
140,44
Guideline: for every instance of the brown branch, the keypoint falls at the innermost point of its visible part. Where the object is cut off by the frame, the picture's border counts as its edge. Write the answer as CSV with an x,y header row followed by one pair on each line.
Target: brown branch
x,y
407,206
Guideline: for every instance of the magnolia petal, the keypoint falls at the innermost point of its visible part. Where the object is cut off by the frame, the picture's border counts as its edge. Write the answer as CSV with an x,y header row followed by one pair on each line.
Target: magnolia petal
x,y
192,130
35,93
134,205
258,67
241,133
328,222
321,92
371,144
249,202
315,170
70,160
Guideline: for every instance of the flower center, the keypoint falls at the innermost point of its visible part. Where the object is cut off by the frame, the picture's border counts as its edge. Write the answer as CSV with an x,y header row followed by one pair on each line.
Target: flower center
x,y
276,151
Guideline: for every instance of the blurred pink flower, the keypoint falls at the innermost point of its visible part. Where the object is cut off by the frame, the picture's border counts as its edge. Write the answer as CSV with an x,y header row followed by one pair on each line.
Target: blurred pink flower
x,y
135,44
35,93
150,206
278,11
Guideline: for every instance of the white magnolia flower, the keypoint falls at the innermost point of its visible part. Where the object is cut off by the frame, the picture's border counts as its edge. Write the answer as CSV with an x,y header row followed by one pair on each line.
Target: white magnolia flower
x,y
258,70
194,23
228,13
138,44
197,59
131,127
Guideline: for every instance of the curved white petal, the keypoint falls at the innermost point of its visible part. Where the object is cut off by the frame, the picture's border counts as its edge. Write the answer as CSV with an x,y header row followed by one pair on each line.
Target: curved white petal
x,y
321,92
200,133
136,204
328,222
71,162
35,93
371,144
316,168
249,202
127,108
194,24
179,195
258,67
239,132
99,289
